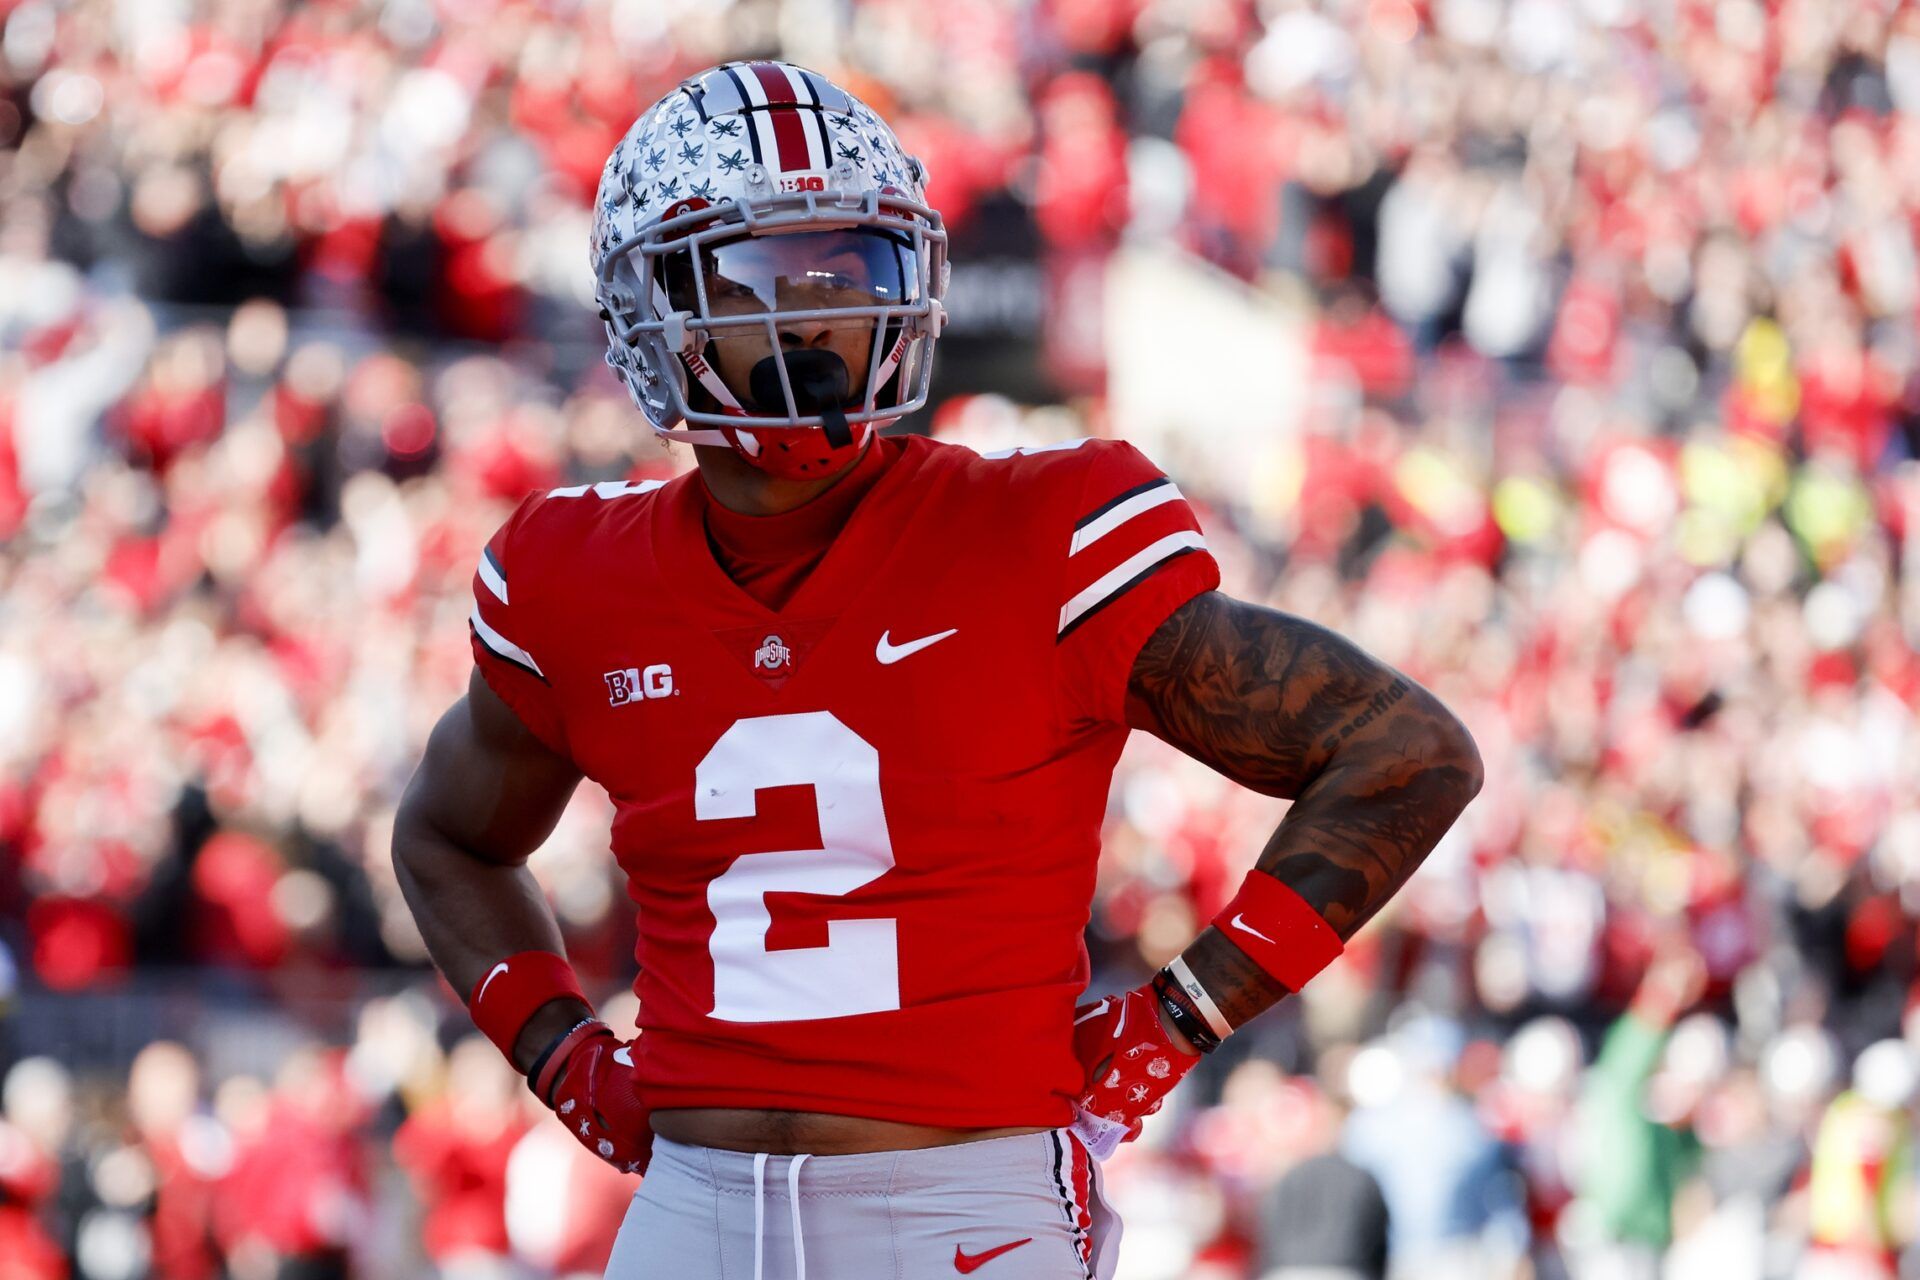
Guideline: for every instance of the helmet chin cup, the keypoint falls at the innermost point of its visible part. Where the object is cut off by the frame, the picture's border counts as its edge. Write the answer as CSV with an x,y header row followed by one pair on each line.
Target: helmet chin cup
x,y
795,453
821,385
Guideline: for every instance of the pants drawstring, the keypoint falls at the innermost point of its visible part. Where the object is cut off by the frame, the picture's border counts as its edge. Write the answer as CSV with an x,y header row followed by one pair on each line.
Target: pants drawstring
x,y
760,1215
793,1203
759,1210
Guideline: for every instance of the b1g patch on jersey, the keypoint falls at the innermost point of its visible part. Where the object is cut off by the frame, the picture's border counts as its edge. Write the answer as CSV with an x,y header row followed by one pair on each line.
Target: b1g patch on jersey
x,y
637,684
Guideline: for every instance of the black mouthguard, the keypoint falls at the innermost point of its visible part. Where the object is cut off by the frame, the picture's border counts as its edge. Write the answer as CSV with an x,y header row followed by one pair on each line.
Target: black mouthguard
x,y
821,384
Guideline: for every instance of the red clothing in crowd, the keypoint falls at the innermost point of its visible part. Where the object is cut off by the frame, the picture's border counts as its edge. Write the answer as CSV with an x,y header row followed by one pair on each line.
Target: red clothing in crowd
x,y
162,423
1369,348
1847,399
182,1223
460,1175
297,1185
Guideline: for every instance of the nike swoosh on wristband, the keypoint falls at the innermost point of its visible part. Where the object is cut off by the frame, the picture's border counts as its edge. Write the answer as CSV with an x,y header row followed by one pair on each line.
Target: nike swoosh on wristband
x,y
967,1264
1239,922
623,1055
888,653
497,971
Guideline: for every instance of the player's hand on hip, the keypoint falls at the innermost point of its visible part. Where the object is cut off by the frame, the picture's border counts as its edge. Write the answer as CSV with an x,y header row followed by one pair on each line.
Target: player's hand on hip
x,y
1132,1062
588,1079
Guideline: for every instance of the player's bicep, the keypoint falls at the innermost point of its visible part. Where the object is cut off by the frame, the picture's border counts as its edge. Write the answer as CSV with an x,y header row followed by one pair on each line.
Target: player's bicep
x,y
486,783
1268,698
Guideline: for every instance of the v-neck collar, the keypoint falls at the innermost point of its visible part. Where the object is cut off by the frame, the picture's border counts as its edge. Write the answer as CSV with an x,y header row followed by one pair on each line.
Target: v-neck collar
x,y
842,572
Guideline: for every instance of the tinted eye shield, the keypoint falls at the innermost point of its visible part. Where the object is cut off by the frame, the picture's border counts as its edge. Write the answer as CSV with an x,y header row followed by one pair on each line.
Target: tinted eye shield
x,y
843,270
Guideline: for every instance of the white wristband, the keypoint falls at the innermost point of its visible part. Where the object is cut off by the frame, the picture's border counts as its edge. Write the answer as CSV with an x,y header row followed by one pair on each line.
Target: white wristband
x,y
1216,1021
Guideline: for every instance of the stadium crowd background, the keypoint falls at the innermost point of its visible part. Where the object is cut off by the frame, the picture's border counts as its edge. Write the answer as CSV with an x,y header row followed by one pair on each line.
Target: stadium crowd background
x,y
1610,439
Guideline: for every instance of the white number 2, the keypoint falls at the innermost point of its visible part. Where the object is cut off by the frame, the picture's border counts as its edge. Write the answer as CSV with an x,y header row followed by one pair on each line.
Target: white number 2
x,y
858,971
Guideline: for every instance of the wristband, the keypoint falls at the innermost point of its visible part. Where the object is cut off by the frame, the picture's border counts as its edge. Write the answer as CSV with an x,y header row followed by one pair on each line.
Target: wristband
x,y
513,990
1279,931
546,1069
1197,994
1181,1012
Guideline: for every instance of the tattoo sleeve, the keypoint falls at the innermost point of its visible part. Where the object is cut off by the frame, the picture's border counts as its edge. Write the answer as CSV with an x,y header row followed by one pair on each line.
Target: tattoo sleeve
x,y
1376,767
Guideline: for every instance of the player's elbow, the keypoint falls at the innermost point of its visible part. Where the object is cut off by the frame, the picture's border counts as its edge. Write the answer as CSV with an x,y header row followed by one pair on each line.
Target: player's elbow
x,y
1451,749
1467,763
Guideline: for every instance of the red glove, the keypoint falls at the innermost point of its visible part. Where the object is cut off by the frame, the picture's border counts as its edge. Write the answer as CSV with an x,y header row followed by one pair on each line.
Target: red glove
x,y
587,1078
1132,1063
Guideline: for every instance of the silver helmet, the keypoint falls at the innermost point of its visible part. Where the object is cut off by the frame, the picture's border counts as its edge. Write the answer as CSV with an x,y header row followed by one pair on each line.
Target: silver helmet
x,y
691,252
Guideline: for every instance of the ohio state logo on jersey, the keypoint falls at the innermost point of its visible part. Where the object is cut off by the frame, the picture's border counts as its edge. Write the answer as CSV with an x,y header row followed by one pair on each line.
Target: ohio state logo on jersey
x,y
772,655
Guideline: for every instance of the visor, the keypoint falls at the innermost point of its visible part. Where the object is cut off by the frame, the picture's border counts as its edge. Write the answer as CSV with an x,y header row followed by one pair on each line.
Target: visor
x,y
806,271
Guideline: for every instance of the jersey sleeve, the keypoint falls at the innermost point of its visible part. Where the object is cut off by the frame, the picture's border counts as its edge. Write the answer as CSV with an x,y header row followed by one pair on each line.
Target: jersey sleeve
x,y
507,635
1134,554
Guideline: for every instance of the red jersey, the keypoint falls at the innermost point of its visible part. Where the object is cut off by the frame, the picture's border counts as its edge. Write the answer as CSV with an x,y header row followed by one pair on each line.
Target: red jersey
x,y
861,830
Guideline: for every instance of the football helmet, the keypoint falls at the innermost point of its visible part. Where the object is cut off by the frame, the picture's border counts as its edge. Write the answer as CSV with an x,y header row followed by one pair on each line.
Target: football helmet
x,y
767,267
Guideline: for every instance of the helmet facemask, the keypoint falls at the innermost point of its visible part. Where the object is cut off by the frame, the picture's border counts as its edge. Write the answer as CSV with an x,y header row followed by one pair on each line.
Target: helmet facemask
x,y
789,328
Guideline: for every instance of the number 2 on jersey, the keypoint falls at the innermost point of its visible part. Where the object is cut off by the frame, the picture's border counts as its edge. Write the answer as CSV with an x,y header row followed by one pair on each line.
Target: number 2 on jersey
x,y
858,971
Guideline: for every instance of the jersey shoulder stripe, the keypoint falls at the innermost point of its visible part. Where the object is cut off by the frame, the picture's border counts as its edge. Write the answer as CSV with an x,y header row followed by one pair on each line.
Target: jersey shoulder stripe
x,y
493,575
1128,574
547,530
1116,511
504,649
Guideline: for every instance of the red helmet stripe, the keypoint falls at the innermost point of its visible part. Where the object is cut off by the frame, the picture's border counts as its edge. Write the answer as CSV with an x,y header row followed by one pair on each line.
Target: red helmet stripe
x,y
789,132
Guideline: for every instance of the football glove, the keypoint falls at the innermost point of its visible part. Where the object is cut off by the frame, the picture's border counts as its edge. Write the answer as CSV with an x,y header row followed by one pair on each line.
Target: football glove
x,y
1131,1062
587,1078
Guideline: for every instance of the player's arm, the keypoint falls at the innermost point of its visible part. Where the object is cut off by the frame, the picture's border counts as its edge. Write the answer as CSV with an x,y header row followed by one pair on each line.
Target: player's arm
x,y
1377,769
486,795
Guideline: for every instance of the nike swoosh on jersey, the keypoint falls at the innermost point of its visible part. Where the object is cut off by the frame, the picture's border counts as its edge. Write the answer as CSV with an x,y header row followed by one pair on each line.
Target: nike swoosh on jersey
x,y
497,971
889,653
1239,922
967,1264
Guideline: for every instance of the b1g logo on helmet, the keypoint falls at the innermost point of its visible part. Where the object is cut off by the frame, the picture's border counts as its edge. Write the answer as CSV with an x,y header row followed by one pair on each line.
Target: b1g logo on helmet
x,y
637,683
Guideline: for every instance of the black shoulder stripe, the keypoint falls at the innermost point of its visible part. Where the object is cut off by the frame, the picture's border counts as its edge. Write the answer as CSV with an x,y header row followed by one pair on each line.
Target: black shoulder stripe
x,y
510,661
494,560
1123,588
1116,500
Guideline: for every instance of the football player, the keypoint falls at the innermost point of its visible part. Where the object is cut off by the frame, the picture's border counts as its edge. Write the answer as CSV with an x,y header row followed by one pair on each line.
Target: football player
x,y
857,701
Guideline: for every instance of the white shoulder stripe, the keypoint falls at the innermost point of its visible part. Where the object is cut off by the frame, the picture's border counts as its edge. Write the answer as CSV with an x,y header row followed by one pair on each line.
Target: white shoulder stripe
x,y
1122,576
503,647
1139,503
607,489
491,575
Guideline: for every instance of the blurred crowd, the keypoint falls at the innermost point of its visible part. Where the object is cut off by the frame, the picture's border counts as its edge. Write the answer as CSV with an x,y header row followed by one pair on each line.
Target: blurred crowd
x,y
1610,439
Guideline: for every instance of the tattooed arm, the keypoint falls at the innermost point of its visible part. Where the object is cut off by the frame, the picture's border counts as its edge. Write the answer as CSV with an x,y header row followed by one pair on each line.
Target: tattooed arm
x,y
1376,767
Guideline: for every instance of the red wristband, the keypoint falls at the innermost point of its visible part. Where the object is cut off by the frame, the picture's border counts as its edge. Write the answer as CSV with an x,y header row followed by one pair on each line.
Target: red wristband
x,y
514,989
1279,931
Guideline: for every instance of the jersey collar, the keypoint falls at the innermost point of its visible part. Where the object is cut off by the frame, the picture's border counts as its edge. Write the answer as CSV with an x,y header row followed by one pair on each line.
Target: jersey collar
x,y
851,562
